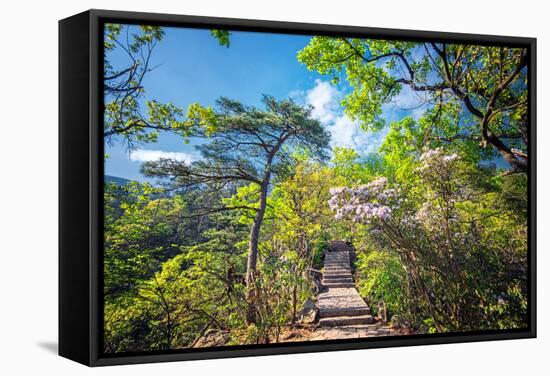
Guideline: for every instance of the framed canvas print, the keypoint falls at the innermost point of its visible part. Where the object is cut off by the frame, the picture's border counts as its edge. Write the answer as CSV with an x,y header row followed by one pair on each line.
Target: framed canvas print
x,y
238,187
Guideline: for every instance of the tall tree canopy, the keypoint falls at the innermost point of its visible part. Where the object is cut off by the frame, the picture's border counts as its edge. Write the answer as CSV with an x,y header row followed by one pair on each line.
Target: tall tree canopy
x,y
480,89
246,145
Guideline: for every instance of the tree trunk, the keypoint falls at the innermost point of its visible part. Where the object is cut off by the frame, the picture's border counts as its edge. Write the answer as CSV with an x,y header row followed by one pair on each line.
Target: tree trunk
x,y
252,291
253,253
518,164
418,281
294,304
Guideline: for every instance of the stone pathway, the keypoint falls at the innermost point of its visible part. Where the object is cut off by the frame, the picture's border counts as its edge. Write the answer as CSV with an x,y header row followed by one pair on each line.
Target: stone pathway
x,y
342,311
340,304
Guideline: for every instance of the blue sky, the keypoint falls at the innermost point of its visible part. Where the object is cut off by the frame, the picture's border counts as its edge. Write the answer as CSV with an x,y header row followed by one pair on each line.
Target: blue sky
x,y
190,66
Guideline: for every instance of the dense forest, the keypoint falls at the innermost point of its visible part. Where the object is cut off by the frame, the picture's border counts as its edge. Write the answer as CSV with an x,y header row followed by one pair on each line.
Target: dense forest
x,y
232,243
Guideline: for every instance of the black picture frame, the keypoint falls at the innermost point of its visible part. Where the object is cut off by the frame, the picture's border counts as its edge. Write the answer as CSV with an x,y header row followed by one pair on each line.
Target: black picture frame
x,y
81,179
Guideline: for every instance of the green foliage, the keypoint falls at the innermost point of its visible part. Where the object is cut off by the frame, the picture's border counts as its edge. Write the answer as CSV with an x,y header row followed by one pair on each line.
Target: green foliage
x,y
372,84
222,36
202,117
129,116
137,235
198,289
448,257
473,94
124,92
442,245
275,282
355,169
381,280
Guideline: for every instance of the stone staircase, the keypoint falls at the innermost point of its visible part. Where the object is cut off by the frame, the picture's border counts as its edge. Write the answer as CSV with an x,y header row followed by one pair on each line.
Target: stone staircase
x,y
340,304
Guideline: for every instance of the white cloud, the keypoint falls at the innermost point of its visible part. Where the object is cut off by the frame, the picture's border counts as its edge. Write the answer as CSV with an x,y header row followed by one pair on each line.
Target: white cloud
x,y
297,95
345,132
323,97
143,155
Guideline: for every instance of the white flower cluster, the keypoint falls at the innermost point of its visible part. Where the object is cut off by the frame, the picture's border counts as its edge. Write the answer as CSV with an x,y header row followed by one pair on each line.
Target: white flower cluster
x,y
363,203
436,159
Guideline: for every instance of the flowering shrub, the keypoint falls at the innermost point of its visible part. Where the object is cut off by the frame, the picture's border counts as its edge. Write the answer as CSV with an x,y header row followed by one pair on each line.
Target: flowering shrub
x,y
440,234
364,203
439,172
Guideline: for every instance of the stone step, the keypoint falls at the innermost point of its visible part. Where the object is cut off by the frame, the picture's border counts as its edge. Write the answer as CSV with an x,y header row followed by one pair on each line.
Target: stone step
x,y
338,284
338,280
328,260
335,265
333,277
337,271
345,266
345,320
346,311
337,245
336,260
337,276
336,255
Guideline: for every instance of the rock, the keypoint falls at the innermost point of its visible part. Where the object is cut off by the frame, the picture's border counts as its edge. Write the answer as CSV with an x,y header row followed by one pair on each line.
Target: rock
x,y
315,276
309,313
213,338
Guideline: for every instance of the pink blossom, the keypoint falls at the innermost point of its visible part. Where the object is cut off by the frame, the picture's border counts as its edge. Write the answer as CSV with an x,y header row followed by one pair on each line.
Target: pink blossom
x,y
365,202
